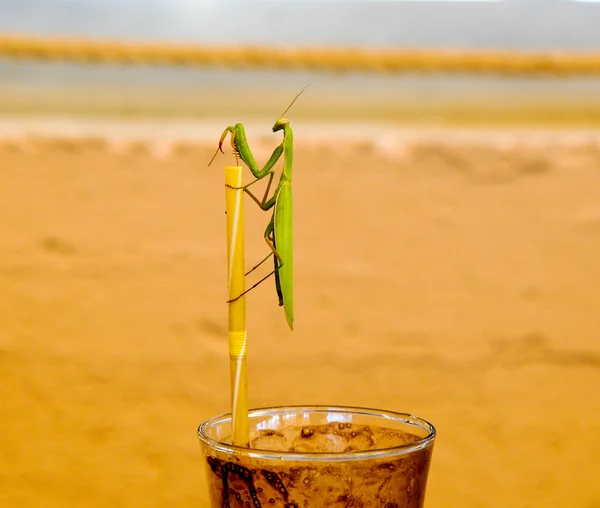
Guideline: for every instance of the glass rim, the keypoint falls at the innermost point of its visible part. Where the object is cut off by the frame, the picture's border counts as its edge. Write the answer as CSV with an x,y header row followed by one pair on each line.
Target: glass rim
x,y
421,443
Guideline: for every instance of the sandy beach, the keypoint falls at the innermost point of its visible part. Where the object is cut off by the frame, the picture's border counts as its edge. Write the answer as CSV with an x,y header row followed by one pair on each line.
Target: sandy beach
x,y
452,274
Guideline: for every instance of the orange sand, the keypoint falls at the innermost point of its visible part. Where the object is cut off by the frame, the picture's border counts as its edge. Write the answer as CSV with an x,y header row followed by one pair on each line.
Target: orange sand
x,y
453,276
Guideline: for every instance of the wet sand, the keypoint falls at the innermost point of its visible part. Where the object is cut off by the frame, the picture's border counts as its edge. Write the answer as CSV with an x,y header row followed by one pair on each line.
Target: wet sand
x,y
450,274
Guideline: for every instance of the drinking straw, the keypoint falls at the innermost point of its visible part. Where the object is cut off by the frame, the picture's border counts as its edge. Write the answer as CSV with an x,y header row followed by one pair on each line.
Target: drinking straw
x,y
238,341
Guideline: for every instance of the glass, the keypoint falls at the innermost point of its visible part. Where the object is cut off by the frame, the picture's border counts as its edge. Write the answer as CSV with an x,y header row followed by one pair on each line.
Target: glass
x,y
319,456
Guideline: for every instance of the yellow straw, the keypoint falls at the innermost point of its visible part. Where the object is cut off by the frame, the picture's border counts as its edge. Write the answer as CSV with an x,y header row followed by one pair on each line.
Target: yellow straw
x,y
238,342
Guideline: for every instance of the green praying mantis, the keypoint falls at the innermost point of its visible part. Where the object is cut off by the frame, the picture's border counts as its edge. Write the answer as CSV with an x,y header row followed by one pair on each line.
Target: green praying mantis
x,y
278,233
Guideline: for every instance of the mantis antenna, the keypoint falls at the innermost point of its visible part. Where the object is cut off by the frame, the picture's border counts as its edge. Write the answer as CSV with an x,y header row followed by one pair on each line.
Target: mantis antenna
x,y
294,100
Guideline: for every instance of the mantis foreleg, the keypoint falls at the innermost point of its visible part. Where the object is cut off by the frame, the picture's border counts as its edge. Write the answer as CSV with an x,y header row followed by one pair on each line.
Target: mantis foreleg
x,y
243,150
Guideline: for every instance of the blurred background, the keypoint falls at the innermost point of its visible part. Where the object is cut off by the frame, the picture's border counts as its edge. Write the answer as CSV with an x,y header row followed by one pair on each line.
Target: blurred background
x,y
447,237
190,92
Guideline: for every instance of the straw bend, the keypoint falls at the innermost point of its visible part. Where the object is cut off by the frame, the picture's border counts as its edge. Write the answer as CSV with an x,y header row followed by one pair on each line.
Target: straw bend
x,y
238,343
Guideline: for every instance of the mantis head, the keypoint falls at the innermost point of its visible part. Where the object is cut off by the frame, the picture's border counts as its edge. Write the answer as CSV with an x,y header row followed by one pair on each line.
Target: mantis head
x,y
280,124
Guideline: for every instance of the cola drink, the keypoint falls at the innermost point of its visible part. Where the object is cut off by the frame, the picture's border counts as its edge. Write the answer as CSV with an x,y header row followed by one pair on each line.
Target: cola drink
x,y
317,457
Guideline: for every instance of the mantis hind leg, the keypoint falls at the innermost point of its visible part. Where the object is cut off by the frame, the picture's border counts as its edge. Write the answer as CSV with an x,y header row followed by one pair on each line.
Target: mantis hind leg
x,y
259,264
251,288
278,262
270,239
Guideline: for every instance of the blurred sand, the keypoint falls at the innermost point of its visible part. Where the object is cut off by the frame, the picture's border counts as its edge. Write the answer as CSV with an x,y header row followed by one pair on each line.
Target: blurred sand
x,y
452,275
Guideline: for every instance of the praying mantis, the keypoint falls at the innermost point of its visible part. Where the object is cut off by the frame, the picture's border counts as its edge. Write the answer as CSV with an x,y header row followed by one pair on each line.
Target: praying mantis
x,y
278,234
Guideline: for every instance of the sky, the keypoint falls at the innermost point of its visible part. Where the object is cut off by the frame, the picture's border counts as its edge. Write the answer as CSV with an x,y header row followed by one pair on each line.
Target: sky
x,y
428,24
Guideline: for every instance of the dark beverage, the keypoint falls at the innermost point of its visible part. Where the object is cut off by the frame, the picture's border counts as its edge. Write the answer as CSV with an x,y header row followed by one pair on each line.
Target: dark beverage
x,y
320,457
